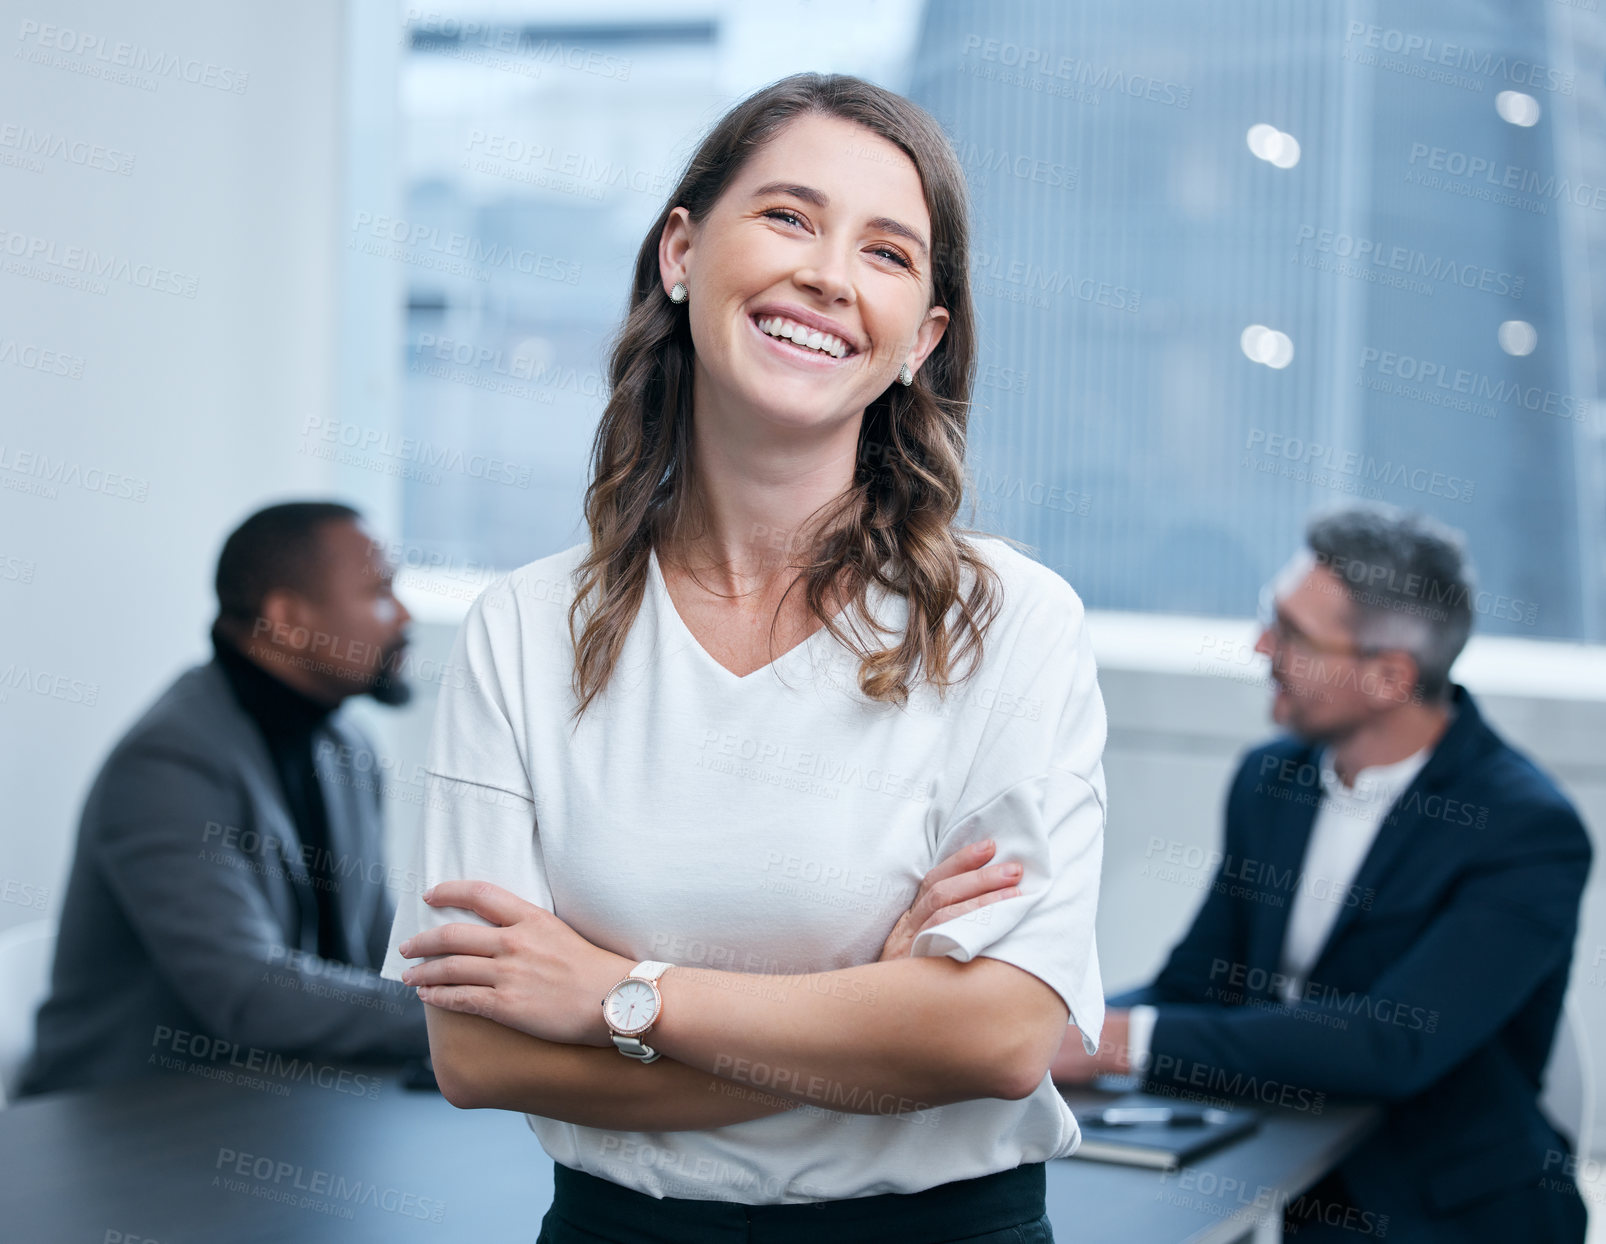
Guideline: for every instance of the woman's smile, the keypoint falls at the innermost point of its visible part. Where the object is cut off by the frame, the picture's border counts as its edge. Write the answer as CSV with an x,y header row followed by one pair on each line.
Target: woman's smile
x,y
791,352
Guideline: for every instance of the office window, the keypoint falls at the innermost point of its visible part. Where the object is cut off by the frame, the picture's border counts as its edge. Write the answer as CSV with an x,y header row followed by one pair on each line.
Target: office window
x,y
1232,264
535,157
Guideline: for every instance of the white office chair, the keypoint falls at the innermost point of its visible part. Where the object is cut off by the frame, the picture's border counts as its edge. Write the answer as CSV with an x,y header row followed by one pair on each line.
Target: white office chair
x,y
1569,1096
25,957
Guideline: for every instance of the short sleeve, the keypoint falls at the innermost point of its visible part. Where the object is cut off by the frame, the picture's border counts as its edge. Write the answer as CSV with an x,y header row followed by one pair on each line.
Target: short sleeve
x,y
1036,786
479,821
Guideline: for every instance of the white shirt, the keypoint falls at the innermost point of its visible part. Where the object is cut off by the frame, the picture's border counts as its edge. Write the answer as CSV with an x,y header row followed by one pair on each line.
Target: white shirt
x,y
778,823
1346,824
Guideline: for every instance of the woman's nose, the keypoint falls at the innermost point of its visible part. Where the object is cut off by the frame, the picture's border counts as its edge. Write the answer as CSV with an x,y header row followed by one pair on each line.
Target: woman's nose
x,y
826,274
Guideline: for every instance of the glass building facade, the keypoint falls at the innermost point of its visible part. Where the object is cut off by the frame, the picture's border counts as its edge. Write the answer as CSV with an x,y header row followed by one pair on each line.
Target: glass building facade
x,y
1233,265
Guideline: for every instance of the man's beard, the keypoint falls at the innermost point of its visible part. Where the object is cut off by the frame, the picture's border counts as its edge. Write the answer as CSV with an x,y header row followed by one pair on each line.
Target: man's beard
x,y
1321,734
390,685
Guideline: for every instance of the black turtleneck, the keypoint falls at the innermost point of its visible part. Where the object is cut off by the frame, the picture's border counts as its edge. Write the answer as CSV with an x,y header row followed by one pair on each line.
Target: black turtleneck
x,y
288,720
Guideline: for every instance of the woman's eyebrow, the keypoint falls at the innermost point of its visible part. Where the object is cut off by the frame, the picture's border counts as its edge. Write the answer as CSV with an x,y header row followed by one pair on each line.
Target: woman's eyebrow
x,y
810,195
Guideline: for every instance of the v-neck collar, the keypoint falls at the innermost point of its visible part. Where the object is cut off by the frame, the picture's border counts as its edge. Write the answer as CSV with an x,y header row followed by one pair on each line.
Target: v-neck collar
x,y
666,607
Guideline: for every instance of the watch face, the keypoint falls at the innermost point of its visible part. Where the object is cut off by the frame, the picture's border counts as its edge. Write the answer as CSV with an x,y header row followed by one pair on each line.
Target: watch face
x,y
632,1006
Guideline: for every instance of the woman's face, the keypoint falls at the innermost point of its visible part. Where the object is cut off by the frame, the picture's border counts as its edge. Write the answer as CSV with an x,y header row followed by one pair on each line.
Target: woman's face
x,y
826,229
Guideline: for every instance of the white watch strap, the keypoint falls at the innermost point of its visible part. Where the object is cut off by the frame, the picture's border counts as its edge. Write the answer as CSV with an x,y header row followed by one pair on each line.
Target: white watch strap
x,y
634,1047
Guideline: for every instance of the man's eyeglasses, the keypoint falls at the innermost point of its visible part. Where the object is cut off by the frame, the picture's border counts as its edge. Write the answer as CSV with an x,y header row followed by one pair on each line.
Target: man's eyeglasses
x,y
1285,634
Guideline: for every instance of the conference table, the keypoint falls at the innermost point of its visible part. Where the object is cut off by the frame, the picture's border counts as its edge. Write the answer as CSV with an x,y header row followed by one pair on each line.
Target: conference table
x,y
179,1159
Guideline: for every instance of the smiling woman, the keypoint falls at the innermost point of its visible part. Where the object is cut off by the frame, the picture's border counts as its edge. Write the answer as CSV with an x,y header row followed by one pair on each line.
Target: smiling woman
x,y
660,796
857,226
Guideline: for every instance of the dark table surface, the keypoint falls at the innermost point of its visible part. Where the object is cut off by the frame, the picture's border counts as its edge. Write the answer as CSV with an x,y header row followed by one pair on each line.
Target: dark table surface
x,y
186,1160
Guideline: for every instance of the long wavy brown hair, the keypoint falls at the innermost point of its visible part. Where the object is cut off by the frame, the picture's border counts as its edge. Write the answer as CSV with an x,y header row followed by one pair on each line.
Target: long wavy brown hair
x,y
895,524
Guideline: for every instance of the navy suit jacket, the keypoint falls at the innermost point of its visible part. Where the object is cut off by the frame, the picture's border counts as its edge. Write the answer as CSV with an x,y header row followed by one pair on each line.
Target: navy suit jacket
x,y
1436,993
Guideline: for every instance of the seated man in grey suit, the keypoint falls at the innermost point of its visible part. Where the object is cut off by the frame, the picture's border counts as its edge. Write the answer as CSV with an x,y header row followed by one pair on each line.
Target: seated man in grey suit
x,y
227,904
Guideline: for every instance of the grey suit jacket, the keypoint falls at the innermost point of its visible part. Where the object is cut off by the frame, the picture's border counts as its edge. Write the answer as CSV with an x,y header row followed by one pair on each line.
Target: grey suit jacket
x,y
188,931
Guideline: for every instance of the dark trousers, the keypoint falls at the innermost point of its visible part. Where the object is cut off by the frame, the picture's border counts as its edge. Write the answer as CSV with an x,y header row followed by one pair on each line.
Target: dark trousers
x,y
1002,1208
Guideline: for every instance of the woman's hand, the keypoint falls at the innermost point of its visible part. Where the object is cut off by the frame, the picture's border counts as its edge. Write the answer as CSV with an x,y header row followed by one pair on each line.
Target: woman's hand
x,y
960,883
532,972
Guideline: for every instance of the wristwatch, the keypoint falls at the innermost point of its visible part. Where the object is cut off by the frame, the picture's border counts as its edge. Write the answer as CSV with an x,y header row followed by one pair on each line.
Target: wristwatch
x,y
633,1006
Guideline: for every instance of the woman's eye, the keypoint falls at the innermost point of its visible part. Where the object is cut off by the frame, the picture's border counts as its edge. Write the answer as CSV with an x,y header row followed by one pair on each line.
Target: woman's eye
x,y
886,252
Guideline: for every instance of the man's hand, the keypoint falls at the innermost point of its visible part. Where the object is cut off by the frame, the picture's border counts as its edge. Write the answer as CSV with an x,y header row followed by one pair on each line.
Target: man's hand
x,y
1072,1065
962,882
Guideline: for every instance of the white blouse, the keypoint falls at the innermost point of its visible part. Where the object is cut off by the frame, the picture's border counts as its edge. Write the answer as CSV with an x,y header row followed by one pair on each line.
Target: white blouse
x,y
778,822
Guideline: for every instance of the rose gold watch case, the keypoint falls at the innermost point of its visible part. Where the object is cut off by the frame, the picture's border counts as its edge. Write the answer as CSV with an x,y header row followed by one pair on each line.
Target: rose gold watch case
x,y
642,1029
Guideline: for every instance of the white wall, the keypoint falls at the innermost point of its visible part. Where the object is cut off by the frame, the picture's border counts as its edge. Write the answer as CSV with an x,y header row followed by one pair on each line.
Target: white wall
x,y
199,398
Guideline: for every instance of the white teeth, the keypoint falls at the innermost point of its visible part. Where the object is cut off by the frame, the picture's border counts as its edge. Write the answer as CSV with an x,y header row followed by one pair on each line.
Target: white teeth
x,y
810,338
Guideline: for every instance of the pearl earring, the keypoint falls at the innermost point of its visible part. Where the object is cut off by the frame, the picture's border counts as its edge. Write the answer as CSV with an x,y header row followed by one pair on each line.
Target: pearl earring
x,y
905,376
678,293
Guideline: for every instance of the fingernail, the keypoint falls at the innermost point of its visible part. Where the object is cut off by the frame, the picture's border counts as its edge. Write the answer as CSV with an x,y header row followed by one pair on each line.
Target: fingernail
x,y
1011,870
428,892
984,844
